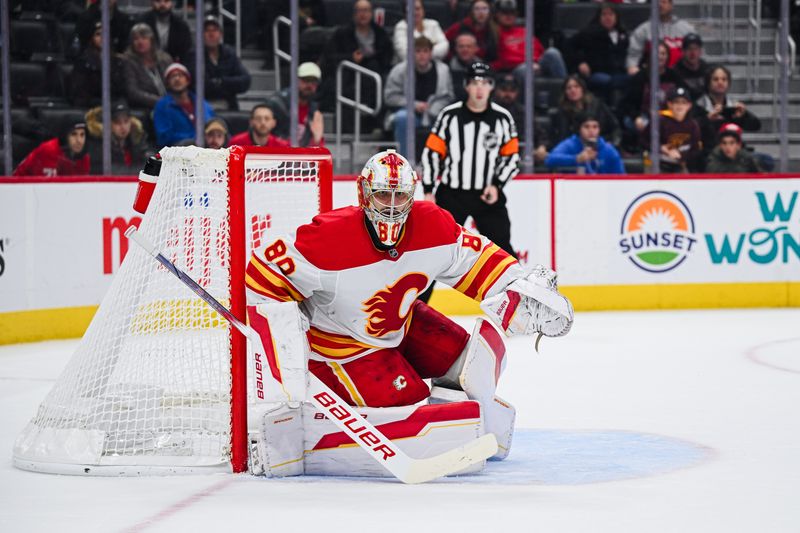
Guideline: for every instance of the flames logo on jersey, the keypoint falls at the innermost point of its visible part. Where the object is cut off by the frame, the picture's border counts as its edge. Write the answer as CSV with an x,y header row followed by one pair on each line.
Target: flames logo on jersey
x,y
388,308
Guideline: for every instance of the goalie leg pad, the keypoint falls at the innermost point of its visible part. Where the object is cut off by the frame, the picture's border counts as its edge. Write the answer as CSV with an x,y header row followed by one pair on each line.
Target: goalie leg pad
x,y
280,445
480,365
498,417
277,364
421,431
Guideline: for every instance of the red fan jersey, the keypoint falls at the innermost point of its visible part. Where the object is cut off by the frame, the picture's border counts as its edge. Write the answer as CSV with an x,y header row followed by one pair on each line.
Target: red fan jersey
x,y
359,298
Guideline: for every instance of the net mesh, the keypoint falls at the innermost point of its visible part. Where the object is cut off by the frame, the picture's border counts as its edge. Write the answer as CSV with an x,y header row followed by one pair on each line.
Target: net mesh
x,y
150,382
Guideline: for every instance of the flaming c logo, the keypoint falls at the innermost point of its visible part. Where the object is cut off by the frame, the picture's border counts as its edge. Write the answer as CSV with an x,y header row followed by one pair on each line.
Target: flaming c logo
x,y
388,308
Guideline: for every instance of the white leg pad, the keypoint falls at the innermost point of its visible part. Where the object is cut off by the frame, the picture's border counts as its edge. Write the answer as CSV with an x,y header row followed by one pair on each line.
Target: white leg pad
x,y
279,449
421,431
477,372
499,416
484,361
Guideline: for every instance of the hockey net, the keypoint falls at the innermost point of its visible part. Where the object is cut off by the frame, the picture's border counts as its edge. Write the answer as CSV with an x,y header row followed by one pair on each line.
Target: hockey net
x,y
156,385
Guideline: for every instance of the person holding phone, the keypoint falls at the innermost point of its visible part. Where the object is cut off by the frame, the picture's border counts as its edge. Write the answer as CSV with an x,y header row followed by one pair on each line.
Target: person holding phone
x,y
716,108
586,151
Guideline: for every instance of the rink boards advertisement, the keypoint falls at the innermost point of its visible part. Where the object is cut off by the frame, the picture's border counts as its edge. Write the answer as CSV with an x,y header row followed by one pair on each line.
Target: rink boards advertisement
x,y
617,243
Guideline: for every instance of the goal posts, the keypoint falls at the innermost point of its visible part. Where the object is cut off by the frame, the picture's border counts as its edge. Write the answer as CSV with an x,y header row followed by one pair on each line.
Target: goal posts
x,y
157,384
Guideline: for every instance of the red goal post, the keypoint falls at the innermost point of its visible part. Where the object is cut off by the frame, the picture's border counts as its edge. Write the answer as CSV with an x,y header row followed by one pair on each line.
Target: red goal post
x,y
158,383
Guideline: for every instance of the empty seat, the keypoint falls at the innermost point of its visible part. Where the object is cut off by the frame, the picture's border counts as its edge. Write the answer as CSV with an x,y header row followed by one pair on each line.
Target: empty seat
x,y
27,80
30,37
631,15
569,19
238,121
59,119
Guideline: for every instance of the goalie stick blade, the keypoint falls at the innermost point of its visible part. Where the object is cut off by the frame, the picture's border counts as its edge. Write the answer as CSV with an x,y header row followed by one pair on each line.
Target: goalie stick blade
x,y
423,470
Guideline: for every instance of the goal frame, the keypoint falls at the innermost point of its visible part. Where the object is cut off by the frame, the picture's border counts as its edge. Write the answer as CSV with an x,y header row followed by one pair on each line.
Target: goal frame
x,y
238,263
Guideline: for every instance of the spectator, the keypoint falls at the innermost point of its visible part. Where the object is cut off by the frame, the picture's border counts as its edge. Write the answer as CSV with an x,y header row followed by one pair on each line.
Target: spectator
x,y
422,26
635,107
599,51
506,94
679,135
466,53
129,147
511,47
225,76
729,156
715,108
120,24
671,30
174,114
478,22
262,123
575,101
586,151
363,42
691,67
172,32
86,79
310,122
433,92
143,68
216,133
64,155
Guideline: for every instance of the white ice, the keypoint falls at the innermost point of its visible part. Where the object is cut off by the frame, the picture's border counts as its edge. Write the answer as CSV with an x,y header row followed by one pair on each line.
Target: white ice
x,y
637,421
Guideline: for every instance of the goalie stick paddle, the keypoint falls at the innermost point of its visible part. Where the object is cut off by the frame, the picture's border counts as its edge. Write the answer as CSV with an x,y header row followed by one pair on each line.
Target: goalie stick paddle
x,y
347,419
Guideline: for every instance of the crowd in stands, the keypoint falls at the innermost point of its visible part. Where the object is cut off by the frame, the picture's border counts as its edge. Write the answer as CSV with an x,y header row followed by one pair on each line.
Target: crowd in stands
x,y
594,117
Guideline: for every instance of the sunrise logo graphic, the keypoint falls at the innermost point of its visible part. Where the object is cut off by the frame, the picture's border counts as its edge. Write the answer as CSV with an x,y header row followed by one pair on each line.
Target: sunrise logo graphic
x,y
657,232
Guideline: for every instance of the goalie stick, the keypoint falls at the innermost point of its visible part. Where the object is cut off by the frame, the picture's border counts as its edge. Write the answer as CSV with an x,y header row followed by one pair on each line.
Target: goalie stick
x,y
363,433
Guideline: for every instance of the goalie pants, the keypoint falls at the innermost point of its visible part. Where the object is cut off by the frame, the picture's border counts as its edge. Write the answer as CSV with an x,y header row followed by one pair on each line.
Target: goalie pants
x,y
392,377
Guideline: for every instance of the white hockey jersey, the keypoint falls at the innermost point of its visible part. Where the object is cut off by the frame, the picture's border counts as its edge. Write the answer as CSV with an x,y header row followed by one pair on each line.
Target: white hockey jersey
x,y
358,298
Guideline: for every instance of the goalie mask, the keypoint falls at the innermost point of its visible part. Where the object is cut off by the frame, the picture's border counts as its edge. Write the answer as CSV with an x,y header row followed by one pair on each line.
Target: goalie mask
x,y
386,193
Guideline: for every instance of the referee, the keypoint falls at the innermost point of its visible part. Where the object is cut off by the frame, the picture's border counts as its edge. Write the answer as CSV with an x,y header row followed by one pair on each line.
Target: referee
x,y
473,149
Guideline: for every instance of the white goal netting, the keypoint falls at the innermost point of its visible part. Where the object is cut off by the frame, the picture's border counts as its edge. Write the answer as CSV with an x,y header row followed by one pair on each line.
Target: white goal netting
x,y
148,389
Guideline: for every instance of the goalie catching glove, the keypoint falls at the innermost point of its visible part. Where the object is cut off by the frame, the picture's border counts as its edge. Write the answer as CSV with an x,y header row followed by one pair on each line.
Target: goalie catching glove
x,y
531,305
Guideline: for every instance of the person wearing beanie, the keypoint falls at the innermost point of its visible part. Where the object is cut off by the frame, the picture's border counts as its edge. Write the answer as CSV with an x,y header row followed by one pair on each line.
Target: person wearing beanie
x,y
262,123
64,155
174,114
586,151
729,156
129,145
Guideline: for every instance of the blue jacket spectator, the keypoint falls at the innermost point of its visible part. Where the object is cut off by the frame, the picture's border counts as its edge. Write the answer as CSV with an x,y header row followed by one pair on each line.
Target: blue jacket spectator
x,y
173,116
586,151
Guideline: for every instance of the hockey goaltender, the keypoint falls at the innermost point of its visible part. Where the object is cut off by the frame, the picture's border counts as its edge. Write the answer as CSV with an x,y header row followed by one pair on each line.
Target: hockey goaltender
x,y
355,273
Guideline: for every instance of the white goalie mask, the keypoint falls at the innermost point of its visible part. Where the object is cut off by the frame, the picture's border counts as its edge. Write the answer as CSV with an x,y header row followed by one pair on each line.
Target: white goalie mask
x,y
386,193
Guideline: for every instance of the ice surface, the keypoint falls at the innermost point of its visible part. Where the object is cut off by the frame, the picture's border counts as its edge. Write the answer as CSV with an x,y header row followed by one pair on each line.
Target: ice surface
x,y
641,421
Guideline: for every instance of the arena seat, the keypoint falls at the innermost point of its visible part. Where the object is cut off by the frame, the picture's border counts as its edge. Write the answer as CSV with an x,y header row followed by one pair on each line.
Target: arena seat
x,y
238,121
30,37
56,119
27,80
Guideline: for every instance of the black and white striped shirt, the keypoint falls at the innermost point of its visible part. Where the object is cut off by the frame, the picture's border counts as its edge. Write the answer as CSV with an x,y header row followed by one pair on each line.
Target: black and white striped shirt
x,y
470,151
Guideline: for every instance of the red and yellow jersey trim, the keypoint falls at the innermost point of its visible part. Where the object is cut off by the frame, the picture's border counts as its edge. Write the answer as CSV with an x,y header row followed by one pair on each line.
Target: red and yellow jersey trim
x,y
491,264
259,277
335,346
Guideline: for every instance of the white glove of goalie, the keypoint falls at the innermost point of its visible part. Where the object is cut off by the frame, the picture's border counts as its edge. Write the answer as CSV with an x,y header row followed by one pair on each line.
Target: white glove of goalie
x,y
531,305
